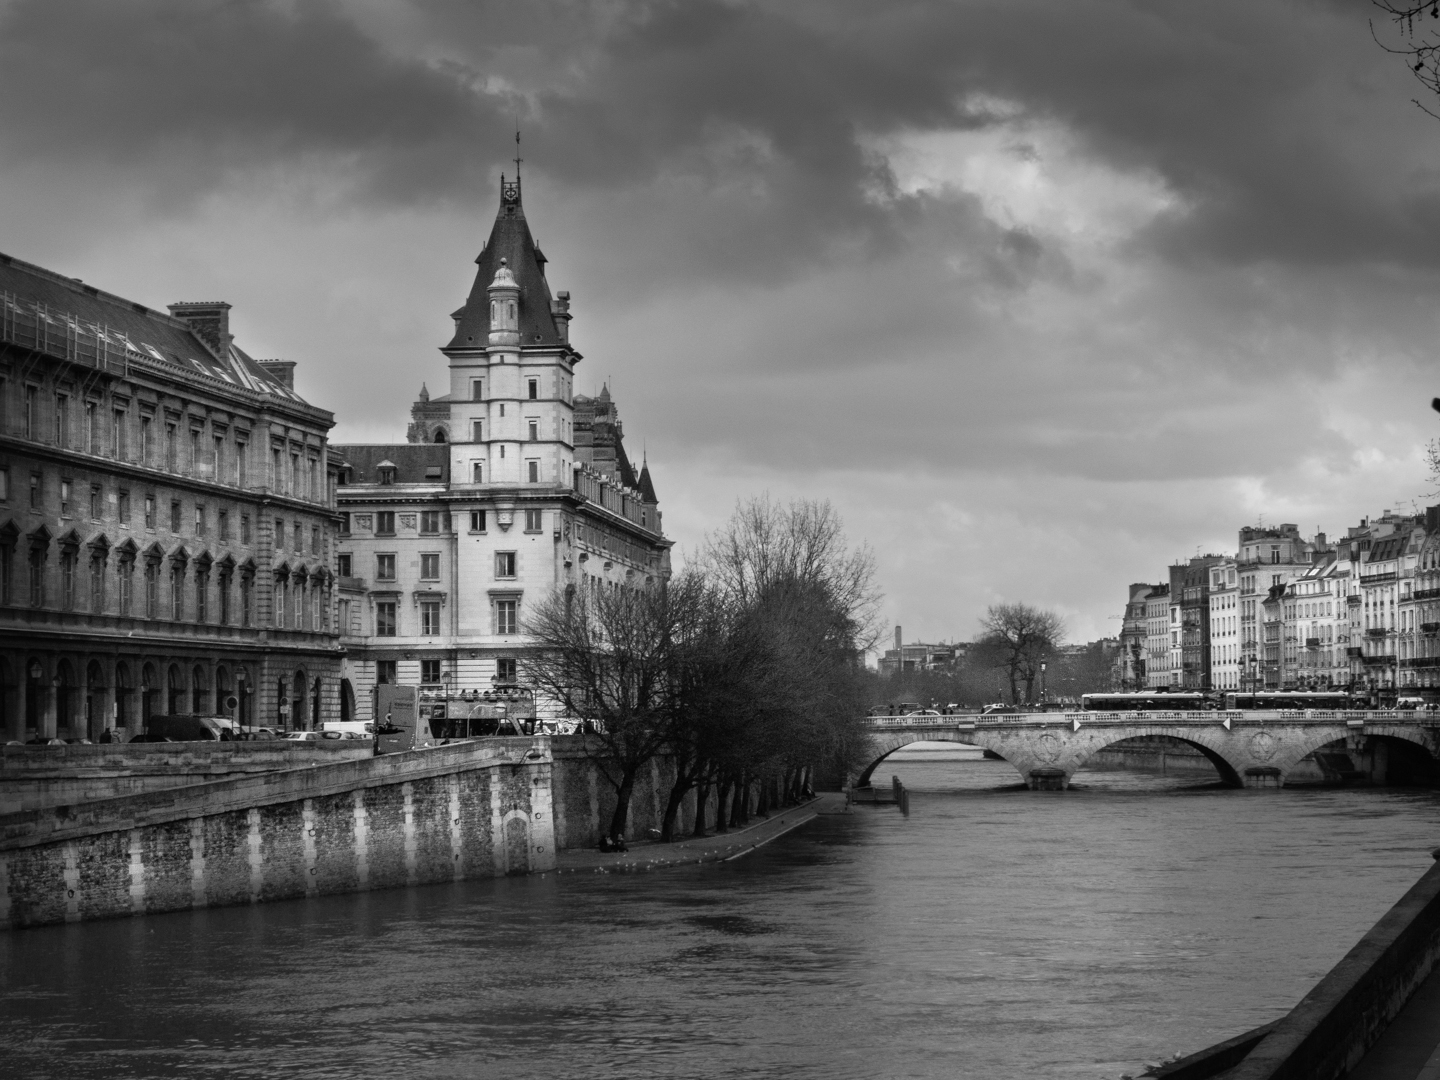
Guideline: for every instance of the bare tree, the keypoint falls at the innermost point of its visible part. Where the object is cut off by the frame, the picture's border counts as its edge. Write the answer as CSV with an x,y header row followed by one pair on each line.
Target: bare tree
x,y
610,658
1019,638
1418,40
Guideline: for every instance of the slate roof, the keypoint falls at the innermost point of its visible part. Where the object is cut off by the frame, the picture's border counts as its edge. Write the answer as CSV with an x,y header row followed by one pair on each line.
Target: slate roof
x,y
412,461
510,239
647,487
143,329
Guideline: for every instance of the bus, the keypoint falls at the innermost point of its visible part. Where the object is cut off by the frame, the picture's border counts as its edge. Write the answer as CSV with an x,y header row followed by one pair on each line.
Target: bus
x,y
1143,702
1272,700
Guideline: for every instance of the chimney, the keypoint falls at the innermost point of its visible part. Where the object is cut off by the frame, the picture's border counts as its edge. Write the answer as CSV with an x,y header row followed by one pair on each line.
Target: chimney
x,y
560,309
897,637
209,321
283,371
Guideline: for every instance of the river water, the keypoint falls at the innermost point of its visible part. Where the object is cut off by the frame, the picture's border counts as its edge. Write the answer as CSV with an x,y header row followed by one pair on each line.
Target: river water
x,y
994,933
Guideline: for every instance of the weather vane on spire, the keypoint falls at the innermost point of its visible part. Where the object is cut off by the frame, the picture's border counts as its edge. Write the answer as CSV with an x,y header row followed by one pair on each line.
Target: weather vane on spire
x,y
518,158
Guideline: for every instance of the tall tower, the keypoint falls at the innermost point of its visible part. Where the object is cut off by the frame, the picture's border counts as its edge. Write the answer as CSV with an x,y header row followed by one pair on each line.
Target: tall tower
x,y
511,367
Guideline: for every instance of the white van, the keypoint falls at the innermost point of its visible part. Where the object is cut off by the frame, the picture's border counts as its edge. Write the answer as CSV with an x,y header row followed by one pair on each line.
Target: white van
x,y
363,729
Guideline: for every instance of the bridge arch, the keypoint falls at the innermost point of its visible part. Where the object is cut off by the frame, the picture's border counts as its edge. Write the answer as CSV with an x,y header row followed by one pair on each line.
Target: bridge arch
x,y
886,743
1419,763
1231,773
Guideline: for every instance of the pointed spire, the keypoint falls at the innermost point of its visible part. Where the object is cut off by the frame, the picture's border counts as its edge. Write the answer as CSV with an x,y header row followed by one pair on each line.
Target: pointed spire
x,y
604,392
424,392
510,241
647,487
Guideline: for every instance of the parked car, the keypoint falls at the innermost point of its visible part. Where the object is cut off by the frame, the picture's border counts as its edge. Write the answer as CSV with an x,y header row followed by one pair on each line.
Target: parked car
x,y
179,728
923,712
302,736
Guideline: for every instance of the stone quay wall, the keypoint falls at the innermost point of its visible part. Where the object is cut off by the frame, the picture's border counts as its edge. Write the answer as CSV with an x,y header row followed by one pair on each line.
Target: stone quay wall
x,y
36,777
449,813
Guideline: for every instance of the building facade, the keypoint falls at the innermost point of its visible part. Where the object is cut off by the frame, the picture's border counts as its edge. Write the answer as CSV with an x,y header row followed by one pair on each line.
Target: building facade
x,y
1157,637
512,488
1134,631
1224,628
167,521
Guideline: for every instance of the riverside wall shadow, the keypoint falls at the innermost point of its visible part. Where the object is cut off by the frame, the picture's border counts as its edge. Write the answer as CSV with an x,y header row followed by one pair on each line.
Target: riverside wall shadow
x,y
1332,1027
35,777
467,810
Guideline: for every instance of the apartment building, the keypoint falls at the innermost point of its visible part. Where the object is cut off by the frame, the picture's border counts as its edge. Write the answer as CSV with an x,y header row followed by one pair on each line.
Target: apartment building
x,y
167,520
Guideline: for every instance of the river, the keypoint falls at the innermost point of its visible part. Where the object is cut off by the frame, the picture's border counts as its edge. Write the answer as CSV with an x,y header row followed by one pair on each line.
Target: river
x,y
994,933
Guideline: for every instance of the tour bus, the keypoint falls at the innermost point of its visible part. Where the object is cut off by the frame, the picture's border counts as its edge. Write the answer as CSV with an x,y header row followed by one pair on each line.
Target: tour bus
x,y
1272,700
1142,702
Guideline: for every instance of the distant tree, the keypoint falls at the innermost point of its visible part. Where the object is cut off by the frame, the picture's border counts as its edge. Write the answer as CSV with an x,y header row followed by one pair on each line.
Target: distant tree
x,y
1018,638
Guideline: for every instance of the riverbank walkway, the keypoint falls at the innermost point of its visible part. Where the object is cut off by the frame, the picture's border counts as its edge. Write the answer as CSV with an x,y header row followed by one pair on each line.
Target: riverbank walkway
x,y
719,847
1410,1047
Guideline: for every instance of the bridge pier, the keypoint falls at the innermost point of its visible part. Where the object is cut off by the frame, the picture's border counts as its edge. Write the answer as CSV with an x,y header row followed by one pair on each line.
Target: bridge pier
x,y
1263,776
1047,780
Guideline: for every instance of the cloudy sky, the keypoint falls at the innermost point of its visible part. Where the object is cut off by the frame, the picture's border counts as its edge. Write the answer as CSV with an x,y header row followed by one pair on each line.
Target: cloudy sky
x,y
1043,296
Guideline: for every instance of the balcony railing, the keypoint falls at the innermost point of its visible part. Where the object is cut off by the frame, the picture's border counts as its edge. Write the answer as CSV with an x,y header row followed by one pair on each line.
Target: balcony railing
x,y
1375,632
1425,594
1377,579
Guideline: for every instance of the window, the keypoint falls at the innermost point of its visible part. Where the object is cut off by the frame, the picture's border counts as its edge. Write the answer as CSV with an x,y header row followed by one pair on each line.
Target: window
x,y
277,474
505,564
97,502
202,590
345,524
35,492
343,564
429,522
505,669
31,404
247,597
67,580
224,522
477,389
177,593
244,528
127,583
387,475
65,488
314,478
217,457
385,567
4,485
477,473
199,519
175,515
385,523
172,447
534,389
279,533
97,583
534,430
223,592
385,672
119,444
122,506
242,465
62,417
533,468
152,589
146,438
37,577
7,572
295,477
385,618
430,622
278,615
430,566
477,520
92,427
195,462
314,539
534,521
297,536
429,671
505,616
502,408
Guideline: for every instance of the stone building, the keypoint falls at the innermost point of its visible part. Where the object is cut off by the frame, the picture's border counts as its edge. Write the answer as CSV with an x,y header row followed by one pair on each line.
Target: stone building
x,y
166,519
509,488
1130,674
1224,627
1158,635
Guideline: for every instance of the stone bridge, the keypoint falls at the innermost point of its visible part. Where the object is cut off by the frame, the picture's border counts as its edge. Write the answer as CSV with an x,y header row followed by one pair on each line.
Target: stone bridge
x,y
1249,749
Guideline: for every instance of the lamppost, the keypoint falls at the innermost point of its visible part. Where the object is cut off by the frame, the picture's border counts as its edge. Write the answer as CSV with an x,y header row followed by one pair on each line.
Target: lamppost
x,y
1042,682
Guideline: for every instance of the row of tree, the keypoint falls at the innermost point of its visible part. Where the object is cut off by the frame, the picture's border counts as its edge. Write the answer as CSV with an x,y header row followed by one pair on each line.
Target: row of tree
x,y
745,669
